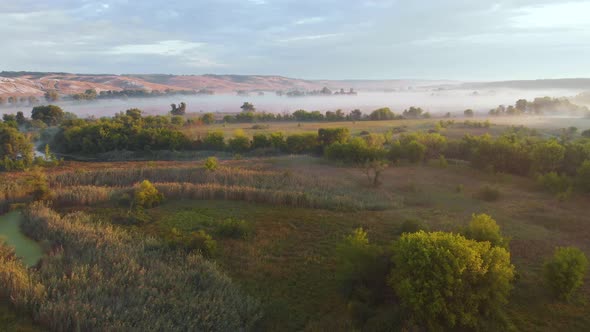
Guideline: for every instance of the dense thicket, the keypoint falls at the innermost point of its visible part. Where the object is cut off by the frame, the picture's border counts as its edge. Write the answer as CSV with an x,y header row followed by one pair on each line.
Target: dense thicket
x,y
99,278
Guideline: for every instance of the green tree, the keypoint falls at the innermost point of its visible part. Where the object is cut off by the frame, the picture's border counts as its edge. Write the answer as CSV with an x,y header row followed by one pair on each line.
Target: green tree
x,y
583,176
51,115
214,141
51,96
445,281
16,150
547,156
328,136
483,228
248,107
565,272
415,151
240,142
147,196
211,164
208,118
468,113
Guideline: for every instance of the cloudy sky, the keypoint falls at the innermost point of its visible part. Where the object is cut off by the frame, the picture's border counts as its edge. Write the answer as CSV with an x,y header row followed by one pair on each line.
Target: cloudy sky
x,y
344,39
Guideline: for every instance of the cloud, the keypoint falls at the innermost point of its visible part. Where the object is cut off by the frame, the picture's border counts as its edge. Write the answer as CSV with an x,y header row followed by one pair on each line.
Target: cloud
x,y
165,47
310,20
309,37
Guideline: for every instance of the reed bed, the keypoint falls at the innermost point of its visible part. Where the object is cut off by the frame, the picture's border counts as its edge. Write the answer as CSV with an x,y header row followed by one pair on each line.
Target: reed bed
x,y
102,278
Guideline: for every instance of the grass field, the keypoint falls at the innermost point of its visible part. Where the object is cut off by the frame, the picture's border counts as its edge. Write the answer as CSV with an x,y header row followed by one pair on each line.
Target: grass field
x,y
289,263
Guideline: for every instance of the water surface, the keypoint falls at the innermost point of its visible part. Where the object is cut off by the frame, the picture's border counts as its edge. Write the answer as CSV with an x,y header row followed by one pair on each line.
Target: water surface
x,y
27,249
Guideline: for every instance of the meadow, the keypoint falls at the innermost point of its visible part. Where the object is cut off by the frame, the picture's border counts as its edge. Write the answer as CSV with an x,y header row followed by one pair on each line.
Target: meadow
x,y
293,212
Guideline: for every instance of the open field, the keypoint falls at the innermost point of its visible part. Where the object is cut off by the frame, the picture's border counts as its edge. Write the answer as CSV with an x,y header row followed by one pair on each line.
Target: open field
x,y
288,261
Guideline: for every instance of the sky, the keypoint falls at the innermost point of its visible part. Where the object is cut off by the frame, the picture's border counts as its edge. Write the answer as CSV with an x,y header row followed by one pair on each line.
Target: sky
x,y
313,39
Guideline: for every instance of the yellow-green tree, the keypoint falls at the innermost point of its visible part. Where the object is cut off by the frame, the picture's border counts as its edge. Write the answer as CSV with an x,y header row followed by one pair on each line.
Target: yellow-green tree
x,y
445,281
147,196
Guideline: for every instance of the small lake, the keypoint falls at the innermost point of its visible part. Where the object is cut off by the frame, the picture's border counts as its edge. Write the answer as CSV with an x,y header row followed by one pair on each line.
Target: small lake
x,y
27,249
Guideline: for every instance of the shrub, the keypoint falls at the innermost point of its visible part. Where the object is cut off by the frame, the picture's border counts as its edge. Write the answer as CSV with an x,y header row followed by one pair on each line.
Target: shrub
x,y
445,281
236,229
203,243
214,141
442,162
261,141
302,143
147,196
565,272
211,164
411,226
583,176
488,193
554,183
483,228
361,271
239,143
415,151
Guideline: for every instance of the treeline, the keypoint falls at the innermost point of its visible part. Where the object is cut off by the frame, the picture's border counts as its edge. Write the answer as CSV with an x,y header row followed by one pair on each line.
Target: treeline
x,y
249,114
544,105
92,94
100,278
323,92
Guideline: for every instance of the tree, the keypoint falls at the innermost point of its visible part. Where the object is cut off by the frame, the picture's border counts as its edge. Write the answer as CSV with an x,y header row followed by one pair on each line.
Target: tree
x,y
208,118
583,176
51,96
51,115
413,112
211,164
547,156
248,107
483,228
16,150
214,141
445,281
382,114
20,118
468,113
355,115
415,151
180,110
240,142
373,170
565,272
328,136
147,196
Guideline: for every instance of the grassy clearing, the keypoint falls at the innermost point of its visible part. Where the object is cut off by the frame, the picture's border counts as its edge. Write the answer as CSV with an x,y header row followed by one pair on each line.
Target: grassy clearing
x,y
288,261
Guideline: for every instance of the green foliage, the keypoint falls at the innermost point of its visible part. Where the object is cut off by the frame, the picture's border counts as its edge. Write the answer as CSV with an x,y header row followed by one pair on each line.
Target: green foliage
x,y
16,150
203,243
483,228
230,228
411,226
261,141
37,181
332,135
361,272
442,162
488,193
583,176
147,196
382,114
357,150
468,113
414,151
51,115
214,141
445,281
302,143
211,164
565,272
554,182
99,267
547,156
208,118
239,143
129,131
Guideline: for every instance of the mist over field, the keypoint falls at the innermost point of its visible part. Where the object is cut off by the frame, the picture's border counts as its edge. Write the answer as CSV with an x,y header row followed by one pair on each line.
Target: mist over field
x,y
431,100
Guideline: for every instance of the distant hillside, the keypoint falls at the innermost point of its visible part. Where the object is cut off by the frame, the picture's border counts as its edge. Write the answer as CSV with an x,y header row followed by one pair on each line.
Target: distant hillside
x,y
19,84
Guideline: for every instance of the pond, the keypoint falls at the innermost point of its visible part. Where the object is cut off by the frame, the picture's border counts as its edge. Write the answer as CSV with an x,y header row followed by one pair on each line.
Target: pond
x,y
27,249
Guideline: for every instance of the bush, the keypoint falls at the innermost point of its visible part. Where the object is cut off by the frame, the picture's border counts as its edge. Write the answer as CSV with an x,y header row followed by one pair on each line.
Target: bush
x,y
360,270
214,141
203,243
583,176
488,193
415,151
147,196
211,164
236,229
554,183
445,281
565,272
239,143
483,228
411,226
442,162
